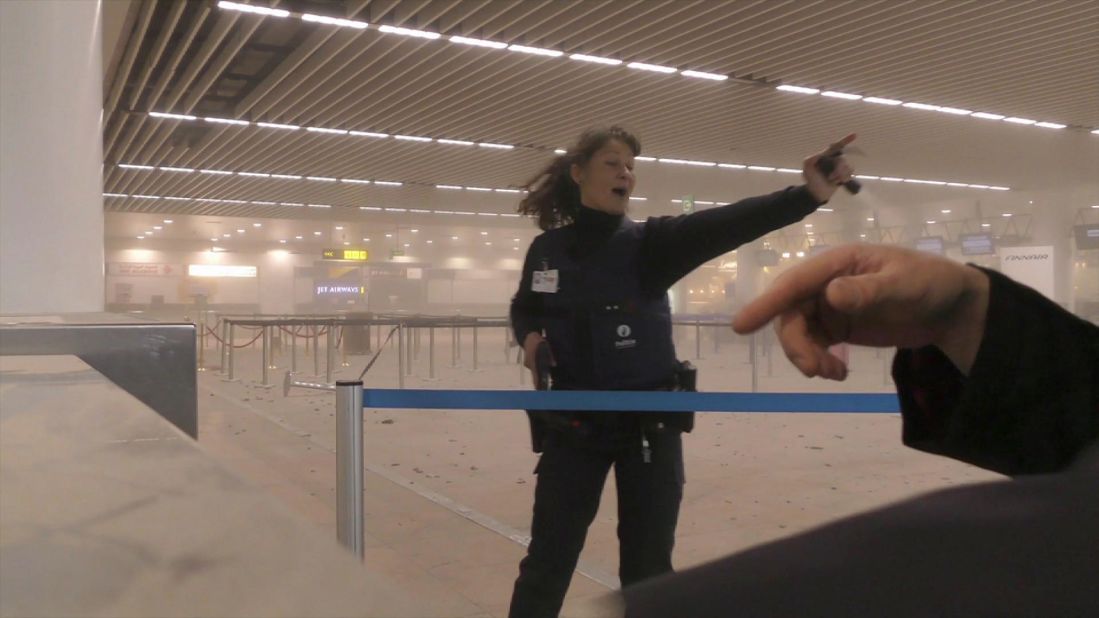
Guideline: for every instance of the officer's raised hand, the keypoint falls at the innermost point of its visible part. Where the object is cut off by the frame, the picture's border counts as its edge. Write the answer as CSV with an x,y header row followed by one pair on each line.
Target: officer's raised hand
x,y
823,186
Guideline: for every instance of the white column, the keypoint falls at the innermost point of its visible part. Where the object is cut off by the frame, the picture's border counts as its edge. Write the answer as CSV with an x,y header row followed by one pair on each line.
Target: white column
x,y
51,156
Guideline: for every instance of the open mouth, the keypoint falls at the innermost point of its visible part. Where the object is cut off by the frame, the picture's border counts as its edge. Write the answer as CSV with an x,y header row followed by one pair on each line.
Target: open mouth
x,y
619,191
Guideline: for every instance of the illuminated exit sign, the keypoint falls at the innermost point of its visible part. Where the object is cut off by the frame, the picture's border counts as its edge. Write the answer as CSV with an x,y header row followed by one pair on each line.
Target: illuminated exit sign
x,y
354,255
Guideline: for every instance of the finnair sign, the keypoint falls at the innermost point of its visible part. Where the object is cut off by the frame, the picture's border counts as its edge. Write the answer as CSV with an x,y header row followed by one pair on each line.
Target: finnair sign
x,y
1032,266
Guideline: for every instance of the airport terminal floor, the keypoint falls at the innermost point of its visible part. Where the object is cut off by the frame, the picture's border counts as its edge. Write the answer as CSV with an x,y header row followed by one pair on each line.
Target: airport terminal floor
x,y
218,218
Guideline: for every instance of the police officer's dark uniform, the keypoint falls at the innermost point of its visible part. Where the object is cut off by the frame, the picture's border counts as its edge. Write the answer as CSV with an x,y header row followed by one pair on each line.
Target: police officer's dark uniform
x,y
597,290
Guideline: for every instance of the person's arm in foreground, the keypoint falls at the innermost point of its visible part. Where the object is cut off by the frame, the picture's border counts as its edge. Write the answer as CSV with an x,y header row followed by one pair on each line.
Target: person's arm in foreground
x,y
990,372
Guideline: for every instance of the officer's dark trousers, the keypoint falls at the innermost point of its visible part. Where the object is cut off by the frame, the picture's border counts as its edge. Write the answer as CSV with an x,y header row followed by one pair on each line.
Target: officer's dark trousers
x,y
566,498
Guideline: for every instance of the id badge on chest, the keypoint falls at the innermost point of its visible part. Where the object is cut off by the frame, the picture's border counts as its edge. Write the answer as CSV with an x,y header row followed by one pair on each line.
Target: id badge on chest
x,y
544,281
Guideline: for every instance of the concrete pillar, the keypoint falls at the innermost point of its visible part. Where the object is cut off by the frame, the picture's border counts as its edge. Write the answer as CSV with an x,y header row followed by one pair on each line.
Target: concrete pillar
x,y
51,156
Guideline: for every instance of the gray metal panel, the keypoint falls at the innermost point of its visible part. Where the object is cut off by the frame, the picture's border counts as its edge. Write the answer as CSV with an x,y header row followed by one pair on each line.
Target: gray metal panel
x,y
153,362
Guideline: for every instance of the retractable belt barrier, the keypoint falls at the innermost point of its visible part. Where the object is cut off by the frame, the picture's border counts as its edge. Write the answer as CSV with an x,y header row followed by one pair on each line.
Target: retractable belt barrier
x,y
351,398
630,401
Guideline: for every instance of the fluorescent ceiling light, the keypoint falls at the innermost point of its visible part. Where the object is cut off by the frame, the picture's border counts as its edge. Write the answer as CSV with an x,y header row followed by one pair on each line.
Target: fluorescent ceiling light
x,y
923,106
507,190
173,116
286,176
254,174
185,170
797,89
179,199
374,208
319,205
320,178
995,188
419,211
841,95
216,172
334,21
955,111
259,203
732,166
497,146
1095,132
249,8
422,34
158,227
369,134
761,168
456,187
865,177
537,51
275,125
478,188
454,142
642,159
388,183
326,130
595,59
355,181
559,151
130,166
464,40
227,121
169,221
717,77
656,68
396,209
1050,125
988,116
881,101
413,138
823,209
1020,120
788,170
892,179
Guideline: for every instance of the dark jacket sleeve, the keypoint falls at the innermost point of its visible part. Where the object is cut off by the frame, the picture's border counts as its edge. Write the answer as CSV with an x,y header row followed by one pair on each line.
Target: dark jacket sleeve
x,y
526,305
1031,401
674,246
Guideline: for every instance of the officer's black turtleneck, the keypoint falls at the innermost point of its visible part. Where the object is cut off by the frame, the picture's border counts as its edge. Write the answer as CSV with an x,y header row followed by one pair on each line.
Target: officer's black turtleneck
x,y
593,228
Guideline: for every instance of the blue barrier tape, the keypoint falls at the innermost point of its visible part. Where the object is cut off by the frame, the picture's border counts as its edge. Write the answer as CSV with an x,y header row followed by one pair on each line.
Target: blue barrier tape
x,y
638,401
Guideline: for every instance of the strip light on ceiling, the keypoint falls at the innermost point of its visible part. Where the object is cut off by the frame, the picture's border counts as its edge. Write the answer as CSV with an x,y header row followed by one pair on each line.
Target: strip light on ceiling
x,y
954,111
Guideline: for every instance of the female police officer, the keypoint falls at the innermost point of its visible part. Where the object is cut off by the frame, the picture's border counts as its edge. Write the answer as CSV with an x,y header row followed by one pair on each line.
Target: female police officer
x,y
594,286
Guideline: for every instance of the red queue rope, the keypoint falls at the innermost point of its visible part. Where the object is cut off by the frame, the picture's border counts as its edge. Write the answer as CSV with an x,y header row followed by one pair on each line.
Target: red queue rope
x,y
222,341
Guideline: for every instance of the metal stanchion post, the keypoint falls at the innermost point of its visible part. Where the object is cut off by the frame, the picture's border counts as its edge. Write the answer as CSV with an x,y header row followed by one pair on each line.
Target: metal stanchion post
x,y
229,341
475,329
752,357
459,342
329,352
266,332
408,349
400,355
431,352
717,339
416,343
698,339
294,349
453,345
316,352
349,465
225,347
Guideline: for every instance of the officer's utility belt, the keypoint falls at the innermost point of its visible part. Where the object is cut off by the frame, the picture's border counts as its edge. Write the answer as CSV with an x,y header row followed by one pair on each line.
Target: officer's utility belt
x,y
685,378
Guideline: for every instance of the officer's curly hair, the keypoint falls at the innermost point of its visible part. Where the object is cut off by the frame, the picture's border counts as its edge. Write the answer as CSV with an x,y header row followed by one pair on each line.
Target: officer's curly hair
x,y
553,195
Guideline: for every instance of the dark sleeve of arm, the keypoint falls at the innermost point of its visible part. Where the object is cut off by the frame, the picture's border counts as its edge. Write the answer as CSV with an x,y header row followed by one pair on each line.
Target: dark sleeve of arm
x,y
1031,401
526,305
674,246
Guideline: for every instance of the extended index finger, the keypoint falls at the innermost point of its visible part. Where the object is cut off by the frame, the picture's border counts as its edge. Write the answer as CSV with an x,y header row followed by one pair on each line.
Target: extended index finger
x,y
838,147
794,286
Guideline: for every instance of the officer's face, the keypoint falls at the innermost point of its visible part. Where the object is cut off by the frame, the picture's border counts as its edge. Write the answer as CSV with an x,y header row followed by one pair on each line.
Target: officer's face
x,y
607,181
